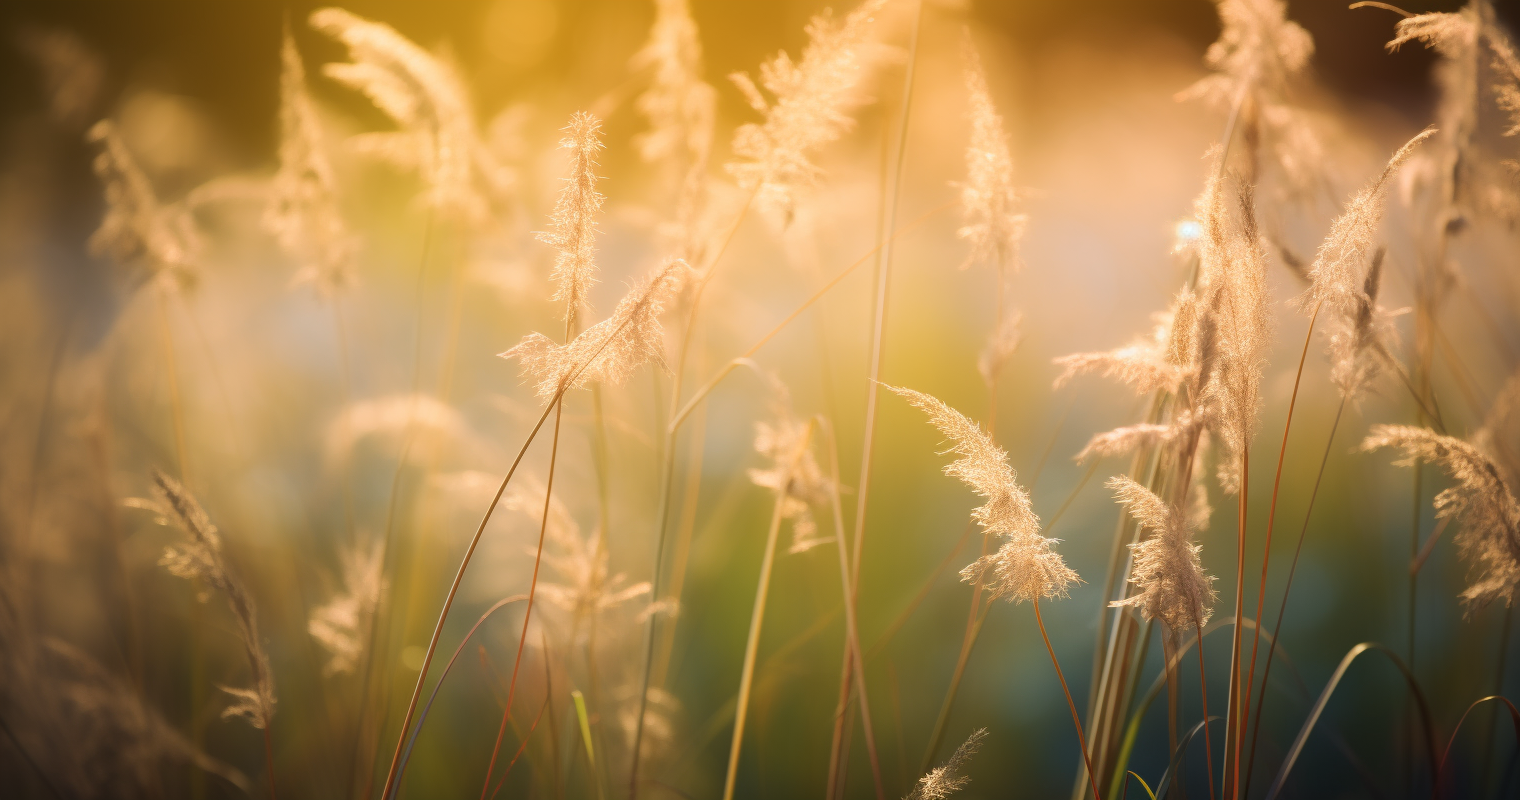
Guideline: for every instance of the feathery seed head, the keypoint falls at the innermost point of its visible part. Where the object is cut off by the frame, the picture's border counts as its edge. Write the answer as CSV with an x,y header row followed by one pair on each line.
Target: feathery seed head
x,y
201,557
812,98
428,101
680,106
1025,567
137,228
302,211
793,474
341,624
949,778
1489,538
989,200
1172,584
609,351
573,229
1344,279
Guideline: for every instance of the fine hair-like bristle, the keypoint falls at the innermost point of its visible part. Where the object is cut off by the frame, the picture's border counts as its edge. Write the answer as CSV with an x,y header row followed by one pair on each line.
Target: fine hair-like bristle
x,y
1344,279
137,228
572,231
950,777
993,224
302,210
812,98
609,351
201,557
341,625
428,101
1025,567
1172,584
1481,502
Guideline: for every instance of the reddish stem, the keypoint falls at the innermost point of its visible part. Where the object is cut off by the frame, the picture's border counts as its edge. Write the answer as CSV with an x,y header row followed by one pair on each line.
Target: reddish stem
x,y
1075,720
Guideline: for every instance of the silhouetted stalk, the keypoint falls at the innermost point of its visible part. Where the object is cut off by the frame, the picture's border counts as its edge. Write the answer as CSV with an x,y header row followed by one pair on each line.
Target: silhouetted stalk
x,y
1203,688
852,629
1266,554
757,619
1075,720
878,328
1282,609
1234,717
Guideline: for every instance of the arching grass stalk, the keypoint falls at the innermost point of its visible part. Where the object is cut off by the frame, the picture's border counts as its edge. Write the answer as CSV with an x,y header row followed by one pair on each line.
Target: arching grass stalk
x,y
676,420
878,329
377,633
1514,717
1266,553
538,558
852,628
1076,721
1282,609
568,381
757,616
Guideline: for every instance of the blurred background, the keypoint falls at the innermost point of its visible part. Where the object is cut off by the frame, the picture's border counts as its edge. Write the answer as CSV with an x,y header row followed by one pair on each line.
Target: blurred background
x,y
1112,161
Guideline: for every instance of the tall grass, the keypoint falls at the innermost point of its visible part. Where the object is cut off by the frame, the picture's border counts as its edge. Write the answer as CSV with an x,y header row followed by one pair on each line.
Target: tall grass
x,y
634,536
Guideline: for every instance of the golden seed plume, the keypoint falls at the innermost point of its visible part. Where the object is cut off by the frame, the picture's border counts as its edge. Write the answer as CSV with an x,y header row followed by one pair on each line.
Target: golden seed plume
x,y
609,351
989,200
201,557
793,473
949,778
428,101
137,228
1344,279
302,210
1172,584
584,587
680,106
341,625
1233,277
1481,502
812,98
1025,567
573,227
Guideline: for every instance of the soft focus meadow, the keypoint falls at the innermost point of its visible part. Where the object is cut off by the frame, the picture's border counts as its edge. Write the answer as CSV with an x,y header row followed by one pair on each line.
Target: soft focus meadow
x,y
697,399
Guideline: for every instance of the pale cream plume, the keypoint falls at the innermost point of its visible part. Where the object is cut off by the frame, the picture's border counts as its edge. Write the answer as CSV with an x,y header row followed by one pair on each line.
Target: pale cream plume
x,y
793,472
341,624
949,778
302,211
573,227
679,104
989,200
609,351
1172,584
1489,538
1344,279
137,228
201,557
1025,567
428,101
812,98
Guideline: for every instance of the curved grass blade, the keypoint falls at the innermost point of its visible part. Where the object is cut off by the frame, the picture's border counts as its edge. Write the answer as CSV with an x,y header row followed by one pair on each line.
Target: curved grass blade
x,y
1514,717
1165,783
1324,698
1131,773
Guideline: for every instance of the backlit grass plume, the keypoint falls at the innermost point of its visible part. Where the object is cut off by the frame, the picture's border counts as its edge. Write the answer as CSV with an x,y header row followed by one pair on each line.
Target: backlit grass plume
x,y
793,473
1489,538
679,104
341,625
572,231
137,229
200,557
811,100
302,211
1167,571
609,351
1024,567
428,101
585,587
950,777
993,223
1344,281
1233,263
